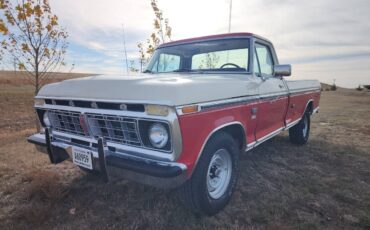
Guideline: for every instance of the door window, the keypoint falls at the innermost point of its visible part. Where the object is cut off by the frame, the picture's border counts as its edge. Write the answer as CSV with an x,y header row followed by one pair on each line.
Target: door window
x,y
264,59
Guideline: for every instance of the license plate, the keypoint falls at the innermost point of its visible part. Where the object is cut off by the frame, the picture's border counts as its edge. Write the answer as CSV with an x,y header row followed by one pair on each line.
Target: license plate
x,y
82,157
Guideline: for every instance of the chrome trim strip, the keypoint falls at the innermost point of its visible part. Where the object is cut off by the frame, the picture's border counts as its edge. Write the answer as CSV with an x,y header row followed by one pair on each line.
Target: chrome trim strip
x,y
211,133
219,103
224,102
306,90
243,100
104,111
70,135
316,110
168,103
288,126
39,136
250,146
273,95
159,162
229,102
268,136
138,158
276,132
263,139
308,102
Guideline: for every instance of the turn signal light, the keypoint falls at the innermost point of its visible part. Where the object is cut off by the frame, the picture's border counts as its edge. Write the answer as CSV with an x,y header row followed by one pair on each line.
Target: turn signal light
x,y
39,102
190,109
157,110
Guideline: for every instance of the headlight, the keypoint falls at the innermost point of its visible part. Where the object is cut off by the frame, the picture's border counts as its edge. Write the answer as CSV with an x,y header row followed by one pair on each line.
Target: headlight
x,y
158,135
46,120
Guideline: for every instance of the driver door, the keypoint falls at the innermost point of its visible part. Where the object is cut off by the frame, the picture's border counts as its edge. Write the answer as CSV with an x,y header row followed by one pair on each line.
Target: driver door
x,y
272,91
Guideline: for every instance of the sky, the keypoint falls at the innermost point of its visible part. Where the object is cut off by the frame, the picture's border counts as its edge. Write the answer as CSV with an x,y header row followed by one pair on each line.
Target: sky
x,y
322,39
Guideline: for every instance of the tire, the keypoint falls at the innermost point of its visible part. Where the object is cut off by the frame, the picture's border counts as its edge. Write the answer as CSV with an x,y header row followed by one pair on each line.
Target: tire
x,y
210,188
300,133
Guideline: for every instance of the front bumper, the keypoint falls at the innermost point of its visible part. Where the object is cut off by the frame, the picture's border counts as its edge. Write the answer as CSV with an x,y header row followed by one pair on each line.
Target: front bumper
x,y
113,165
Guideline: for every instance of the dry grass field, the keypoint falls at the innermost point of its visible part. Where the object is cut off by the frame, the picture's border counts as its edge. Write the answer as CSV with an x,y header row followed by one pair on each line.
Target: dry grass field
x,y
322,185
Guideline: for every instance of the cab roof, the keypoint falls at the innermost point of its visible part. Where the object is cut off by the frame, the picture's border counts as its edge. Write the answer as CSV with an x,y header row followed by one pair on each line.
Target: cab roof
x,y
212,37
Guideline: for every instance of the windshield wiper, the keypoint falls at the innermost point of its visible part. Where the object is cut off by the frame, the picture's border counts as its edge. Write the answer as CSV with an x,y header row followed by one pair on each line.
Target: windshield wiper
x,y
182,70
188,71
174,71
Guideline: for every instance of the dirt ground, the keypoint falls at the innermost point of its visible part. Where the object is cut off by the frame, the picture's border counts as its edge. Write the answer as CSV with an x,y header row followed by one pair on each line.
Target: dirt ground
x,y
322,185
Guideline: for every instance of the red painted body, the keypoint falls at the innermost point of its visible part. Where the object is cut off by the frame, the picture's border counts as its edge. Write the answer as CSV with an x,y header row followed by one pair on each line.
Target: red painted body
x,y
298,103
271,116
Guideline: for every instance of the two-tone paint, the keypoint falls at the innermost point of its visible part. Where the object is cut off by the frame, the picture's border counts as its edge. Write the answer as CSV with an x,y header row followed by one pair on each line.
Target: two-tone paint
x,y
251,107
257,118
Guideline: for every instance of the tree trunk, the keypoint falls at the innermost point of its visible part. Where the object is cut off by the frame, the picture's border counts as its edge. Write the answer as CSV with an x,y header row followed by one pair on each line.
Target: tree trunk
x,y
37,83
37,88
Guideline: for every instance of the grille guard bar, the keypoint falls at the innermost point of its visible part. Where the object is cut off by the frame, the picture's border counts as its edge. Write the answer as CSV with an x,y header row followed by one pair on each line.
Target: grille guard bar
x,y
156,173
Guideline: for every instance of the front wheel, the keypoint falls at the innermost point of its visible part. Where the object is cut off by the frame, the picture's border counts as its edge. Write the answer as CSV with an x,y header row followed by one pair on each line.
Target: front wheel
x,y
213,181
299,133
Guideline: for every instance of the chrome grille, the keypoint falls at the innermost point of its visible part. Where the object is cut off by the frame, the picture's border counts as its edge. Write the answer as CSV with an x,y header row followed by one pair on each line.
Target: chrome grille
x,y
66,121
117,129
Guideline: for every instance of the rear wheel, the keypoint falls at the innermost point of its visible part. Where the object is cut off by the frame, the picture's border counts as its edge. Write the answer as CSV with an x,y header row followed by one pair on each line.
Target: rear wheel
x,y
299,133
213,181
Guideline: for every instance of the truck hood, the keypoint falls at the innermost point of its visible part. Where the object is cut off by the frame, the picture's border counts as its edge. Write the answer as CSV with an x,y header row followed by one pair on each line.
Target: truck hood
x,y
163,89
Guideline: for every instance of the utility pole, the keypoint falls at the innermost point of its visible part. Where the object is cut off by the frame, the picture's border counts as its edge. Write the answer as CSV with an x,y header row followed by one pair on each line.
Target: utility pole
x,y
124,48
230,10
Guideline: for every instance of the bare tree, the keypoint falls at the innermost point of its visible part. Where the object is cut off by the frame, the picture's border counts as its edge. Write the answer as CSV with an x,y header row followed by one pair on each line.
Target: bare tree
x,y
161,34
210,62
142,58
132,67
33,38
3,31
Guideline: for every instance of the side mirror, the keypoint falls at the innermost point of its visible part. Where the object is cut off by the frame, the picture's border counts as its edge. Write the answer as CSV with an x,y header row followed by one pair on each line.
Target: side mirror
x,y
282,70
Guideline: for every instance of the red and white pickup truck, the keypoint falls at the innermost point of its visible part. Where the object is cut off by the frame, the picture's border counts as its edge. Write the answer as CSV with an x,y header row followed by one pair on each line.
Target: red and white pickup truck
x,y
184,122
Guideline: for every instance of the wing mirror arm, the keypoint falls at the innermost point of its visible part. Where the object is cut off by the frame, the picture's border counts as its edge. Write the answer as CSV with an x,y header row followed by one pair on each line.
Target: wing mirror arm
x,y
261,76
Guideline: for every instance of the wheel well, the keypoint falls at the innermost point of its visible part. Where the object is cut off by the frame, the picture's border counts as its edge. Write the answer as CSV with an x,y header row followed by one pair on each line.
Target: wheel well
x,y
237,132
310,107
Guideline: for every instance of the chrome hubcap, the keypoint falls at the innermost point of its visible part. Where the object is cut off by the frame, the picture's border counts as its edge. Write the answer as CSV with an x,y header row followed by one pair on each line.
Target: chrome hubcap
x,y
219,173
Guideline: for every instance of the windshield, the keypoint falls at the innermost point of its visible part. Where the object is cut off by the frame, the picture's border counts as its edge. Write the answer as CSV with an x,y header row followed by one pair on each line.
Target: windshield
x,y
227,55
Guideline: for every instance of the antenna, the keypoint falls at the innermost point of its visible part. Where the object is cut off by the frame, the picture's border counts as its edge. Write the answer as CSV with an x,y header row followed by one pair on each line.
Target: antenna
x,y
124,48
230,10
